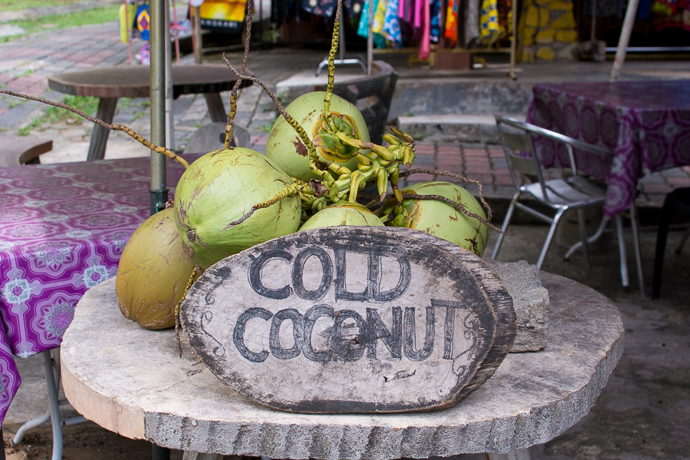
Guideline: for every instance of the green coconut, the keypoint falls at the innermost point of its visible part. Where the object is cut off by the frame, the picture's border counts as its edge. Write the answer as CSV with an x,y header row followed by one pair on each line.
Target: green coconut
x,y
153,273
343,213
441,219
286,148
221,187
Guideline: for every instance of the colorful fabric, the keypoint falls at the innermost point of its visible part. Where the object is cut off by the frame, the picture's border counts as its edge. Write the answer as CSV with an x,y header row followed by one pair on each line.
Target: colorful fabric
x,y
391,26
451,27
435,7
646,124
143,19
424,43
363,29
471,22
62,230
324,8
490,30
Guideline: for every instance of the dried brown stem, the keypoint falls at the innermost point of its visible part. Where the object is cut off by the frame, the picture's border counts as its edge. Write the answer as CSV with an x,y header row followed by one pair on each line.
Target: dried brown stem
x,y
436,172
115,127
291,121
230,126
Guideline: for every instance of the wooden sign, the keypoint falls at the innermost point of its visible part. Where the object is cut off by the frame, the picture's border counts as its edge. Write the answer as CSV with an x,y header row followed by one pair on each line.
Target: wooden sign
x,y
351,320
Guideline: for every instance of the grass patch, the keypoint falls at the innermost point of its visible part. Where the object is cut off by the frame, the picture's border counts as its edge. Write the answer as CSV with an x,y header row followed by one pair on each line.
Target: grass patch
x,y
13,5
267,128
63,21
56,115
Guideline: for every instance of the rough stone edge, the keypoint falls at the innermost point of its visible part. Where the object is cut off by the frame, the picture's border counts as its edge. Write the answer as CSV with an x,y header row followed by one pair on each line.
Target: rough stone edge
x,y
498,436
127,419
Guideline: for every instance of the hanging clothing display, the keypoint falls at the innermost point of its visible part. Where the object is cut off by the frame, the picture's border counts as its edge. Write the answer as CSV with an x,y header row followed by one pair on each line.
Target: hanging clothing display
x,y
451,28
435,11
391,26
324,8
471,23
363,29
424,44
490,30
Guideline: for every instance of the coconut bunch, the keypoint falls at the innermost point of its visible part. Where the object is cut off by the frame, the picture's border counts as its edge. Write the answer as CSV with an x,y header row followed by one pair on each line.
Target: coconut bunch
x,y
318,158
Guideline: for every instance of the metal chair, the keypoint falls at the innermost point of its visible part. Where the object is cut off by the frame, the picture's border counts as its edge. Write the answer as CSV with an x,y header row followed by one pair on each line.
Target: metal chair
x,y
562,194
211,137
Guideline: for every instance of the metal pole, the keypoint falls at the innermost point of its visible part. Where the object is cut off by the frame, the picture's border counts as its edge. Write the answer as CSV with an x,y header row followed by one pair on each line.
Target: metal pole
x,y
624,38
169,121
513,40
370,38
196,32
158,28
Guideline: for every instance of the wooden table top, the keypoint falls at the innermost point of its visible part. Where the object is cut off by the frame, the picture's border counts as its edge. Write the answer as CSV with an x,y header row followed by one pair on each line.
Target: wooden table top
x,y
133,381
134,81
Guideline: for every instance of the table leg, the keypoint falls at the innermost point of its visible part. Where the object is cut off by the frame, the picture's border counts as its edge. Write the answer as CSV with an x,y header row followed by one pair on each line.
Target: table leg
x,y
191,455
215,107
517,454
99,135
159,453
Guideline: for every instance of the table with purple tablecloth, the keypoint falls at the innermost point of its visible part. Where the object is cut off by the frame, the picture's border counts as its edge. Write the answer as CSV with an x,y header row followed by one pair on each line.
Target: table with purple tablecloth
x,y
62,230
646,124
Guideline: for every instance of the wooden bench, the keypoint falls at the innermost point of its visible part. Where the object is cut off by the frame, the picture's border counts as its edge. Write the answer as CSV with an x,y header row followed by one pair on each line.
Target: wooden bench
x,y
17,150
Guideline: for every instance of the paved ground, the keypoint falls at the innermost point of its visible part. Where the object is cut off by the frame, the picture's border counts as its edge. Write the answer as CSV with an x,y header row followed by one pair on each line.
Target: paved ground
x,y
642,414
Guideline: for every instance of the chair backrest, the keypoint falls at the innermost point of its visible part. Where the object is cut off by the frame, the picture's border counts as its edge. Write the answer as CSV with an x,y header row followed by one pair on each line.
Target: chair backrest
x,y
212,137
518,137
378,89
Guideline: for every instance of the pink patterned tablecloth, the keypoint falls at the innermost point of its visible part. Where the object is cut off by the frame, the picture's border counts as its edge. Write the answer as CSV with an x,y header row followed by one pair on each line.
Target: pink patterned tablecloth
x,y
62,230
645,123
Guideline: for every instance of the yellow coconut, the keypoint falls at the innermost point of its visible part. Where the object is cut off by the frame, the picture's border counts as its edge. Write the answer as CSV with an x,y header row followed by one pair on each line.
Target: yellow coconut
x,y
153,273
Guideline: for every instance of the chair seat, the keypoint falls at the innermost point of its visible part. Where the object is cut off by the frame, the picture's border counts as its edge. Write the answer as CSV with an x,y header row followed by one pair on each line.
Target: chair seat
x,y
574,192
19,150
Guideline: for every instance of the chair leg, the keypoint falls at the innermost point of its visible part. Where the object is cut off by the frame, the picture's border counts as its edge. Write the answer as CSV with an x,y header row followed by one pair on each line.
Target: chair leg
x,y
54,406
679,249
621,249
583,236
506,222
661,236
591,239
549,237
638,250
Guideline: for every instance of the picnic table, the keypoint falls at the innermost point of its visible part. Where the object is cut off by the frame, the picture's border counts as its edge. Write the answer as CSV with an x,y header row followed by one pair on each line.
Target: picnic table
x,y
134,382
111,83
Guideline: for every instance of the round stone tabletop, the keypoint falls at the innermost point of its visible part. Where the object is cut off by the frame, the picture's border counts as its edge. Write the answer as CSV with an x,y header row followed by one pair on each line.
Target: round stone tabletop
x,y
135,81
133,382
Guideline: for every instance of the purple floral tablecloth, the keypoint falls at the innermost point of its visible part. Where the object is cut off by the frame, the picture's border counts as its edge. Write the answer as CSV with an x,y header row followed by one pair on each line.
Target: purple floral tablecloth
x,y
646,124
62,230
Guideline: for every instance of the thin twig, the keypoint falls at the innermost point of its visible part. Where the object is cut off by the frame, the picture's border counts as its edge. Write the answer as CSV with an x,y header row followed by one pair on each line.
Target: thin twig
x,y
436,172
115,127
230,126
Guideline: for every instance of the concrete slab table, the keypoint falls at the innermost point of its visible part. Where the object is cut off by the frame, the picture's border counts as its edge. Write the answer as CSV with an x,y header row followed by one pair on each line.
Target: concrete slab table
x,y
133,382
111,83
